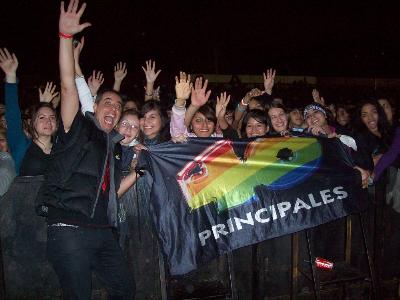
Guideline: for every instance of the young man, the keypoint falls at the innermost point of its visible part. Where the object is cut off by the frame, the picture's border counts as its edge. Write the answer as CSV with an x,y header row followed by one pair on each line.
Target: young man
x,y
83,182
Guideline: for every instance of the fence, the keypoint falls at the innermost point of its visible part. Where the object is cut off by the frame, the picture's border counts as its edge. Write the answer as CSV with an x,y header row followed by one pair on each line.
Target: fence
x,y
275,269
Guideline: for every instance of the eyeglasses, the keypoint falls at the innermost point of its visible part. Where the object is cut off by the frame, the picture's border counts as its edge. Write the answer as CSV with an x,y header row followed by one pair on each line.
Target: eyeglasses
x,y
128,125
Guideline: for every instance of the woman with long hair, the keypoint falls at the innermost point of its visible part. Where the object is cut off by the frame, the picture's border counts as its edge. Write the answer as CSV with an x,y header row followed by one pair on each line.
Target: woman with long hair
x,y
30,155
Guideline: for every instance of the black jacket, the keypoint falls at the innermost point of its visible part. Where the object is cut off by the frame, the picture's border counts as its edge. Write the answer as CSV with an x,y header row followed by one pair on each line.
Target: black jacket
x,y
77,166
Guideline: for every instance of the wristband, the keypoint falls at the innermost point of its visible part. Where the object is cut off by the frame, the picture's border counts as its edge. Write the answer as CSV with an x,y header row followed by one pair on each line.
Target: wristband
x,y
244,104
149,95
65,36
180,106
241,109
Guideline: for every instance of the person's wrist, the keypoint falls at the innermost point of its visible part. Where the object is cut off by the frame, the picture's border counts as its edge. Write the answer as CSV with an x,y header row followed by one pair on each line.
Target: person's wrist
x,y
11,78
244,101
241,108
180,103
65,35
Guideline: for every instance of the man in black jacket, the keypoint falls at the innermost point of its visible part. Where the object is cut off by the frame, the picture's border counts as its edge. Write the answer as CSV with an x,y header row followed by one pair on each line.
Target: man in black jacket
x,y
83,182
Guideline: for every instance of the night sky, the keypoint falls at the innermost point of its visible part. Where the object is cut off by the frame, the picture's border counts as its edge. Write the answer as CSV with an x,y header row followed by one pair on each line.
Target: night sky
x,y
212,36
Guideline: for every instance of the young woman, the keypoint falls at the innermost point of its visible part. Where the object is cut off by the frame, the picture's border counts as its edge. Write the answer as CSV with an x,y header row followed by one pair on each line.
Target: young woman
x,y
199,116
153,123
30,155
255,123
373,129
279,118
129,127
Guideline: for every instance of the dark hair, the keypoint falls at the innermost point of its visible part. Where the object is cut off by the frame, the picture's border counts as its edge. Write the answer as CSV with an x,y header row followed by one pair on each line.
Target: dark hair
x,y
208,112
384,127
258,115
155,105
34,112
101,93
277,105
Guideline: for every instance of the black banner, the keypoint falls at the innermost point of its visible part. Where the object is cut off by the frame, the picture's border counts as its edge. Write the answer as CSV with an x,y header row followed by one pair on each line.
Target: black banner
x,y
211,196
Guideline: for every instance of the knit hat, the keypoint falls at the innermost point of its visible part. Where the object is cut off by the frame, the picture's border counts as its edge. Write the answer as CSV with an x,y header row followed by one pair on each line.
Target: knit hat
x,y
313,106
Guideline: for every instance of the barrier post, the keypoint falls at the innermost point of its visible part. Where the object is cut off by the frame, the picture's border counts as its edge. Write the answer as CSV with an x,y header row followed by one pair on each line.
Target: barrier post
x,y
295,267
2,278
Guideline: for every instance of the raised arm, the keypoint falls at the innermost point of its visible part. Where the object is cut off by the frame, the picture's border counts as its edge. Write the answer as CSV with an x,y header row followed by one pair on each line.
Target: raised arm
x,y
17,140
242,106
183,87
9,65
78,47
199,98
95,81
69,24
120,72
269,80
151,76
220,110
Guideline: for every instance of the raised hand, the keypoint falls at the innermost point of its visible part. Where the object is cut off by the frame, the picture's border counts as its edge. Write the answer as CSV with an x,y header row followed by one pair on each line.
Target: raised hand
x,y
150,71
78,48
183,86
120,71
269,80
95,81
222,103
9,65
317,98
69,22
199,95
49,93
251,94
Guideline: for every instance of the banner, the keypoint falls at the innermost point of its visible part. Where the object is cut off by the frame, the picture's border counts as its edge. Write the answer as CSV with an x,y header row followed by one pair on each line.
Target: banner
x,y
211,196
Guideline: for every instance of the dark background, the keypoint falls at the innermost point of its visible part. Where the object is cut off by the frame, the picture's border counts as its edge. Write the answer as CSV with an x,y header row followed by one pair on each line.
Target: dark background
x,y
325,38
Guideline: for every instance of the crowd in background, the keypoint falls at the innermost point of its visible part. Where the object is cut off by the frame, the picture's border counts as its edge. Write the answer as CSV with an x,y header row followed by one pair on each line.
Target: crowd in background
x,y
228,111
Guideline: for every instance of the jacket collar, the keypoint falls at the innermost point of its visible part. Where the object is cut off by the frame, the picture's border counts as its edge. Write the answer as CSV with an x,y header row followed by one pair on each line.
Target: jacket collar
x,y
114,136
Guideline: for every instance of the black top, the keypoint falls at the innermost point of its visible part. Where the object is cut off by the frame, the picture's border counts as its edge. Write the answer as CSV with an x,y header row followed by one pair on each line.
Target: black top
x,y
76,175
35,161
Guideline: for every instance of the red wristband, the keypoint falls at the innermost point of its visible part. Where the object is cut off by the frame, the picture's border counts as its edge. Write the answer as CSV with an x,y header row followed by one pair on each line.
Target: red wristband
x,y
65,36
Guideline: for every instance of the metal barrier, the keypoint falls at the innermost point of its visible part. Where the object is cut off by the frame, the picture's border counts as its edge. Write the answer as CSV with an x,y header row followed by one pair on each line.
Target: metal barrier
x,y
275,269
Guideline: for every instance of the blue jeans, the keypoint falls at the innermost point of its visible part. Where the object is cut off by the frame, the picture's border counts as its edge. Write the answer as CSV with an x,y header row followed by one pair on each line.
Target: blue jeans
x,y
75,252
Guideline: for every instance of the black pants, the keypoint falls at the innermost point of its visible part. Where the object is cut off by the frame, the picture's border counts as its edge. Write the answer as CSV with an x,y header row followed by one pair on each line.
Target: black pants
x,y
75,252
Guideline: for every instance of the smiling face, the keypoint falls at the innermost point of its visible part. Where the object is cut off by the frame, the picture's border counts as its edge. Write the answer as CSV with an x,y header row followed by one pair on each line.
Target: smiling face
x,y
255,128
201,126
128,126
45,122
108,110
151,124
370,117
279,119
316,118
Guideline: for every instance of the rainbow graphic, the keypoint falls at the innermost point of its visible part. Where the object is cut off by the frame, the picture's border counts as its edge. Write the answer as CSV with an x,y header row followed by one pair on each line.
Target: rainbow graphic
x,y
218,175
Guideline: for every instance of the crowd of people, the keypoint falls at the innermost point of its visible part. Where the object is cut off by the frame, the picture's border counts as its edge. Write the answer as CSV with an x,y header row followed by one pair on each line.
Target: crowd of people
x,y
75,137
